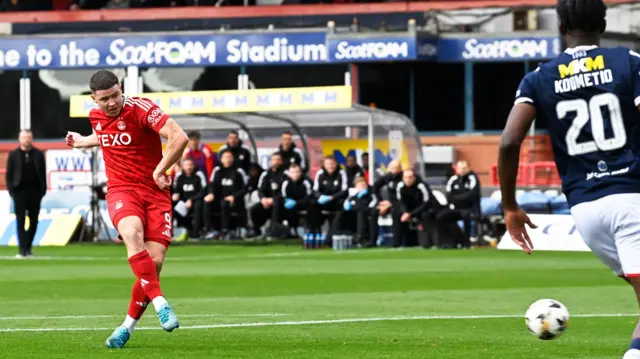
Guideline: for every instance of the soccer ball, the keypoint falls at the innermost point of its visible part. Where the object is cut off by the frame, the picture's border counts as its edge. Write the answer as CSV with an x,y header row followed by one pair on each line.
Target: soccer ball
x,y
547,319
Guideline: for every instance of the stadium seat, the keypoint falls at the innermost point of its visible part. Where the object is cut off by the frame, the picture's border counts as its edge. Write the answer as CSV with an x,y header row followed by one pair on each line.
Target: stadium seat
x,y
534,202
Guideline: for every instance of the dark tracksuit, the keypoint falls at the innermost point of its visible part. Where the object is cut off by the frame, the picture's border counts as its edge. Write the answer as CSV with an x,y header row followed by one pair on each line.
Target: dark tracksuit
x,y
269,186
352,174
414,200
463,196
241,155
291,156
230,181
330,184
190,188
359,215
300,191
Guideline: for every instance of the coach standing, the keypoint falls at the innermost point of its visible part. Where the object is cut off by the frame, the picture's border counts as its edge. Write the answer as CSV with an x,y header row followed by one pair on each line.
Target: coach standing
x,y
27,185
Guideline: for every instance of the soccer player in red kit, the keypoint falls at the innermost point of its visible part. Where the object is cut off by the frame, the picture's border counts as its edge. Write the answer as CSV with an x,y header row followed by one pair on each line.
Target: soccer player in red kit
x,y
128,130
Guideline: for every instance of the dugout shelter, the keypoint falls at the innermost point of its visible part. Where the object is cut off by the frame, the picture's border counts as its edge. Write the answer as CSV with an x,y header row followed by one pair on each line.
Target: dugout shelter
x,y
323,121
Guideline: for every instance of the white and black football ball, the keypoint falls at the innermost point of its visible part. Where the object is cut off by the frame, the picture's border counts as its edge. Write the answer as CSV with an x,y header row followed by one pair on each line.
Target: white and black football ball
x,y
547,319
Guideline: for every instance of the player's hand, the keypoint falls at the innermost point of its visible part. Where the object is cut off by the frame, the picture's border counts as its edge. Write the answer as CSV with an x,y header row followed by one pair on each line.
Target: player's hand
x,y
405,217
188,203
208,198
162,180
229,199
515,221
176,197
73,139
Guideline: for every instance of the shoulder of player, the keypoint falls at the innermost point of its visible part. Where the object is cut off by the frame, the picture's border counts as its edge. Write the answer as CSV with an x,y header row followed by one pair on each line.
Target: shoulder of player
x,y
96,114
142,103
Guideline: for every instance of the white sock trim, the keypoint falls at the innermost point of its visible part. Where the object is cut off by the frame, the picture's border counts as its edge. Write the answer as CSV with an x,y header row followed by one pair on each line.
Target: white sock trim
x,y
130,323
159,302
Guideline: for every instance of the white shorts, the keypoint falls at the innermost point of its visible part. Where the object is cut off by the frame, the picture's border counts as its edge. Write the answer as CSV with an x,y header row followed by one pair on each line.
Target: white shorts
x,y
610,226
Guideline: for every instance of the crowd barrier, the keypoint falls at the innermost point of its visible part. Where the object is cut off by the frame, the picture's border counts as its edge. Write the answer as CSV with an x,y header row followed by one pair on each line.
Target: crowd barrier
x,y
532,174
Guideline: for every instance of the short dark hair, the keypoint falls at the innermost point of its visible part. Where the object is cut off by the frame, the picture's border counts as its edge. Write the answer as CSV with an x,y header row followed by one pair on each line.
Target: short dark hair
x,y
233,132
103,80
187,159
194,135
226,151
276,154
287,132
588,16
295,165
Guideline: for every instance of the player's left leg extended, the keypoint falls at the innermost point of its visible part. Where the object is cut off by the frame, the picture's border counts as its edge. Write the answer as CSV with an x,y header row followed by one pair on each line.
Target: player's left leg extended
x,y
139,299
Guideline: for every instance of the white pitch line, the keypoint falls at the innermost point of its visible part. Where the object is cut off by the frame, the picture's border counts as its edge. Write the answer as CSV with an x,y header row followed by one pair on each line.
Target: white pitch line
x,y
25,318
314,322
199,258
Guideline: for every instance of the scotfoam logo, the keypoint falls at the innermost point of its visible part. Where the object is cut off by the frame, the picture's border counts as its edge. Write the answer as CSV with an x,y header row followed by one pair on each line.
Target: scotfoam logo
x,y
279,50
372,50
501,49
161,52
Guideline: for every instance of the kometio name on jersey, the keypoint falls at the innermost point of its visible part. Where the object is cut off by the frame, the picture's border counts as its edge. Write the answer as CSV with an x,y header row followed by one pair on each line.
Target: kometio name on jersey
x,y
582,75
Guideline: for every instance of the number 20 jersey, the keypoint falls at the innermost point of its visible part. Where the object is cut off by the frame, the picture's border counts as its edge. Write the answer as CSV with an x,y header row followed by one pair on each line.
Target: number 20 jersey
x,y
588,97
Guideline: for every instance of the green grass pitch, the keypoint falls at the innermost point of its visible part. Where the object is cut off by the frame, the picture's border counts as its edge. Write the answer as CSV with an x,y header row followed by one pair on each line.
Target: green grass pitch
x,y
284,302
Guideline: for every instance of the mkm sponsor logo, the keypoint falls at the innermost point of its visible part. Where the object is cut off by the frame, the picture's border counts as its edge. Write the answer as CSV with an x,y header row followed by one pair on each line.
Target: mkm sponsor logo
x,y
583,65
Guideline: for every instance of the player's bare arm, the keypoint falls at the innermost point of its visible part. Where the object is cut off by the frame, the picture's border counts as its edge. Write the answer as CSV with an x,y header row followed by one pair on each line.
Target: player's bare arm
x,y
176,142
515,131
76,140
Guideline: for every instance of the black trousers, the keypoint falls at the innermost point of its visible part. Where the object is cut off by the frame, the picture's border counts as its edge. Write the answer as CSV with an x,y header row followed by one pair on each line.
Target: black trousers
x,y
316,217
225,211
260,215
26,203
192,222
292,216
359,222
402,230
454,215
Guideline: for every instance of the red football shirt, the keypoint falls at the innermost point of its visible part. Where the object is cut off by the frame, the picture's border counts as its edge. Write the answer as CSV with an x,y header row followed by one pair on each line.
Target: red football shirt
x,y
131,145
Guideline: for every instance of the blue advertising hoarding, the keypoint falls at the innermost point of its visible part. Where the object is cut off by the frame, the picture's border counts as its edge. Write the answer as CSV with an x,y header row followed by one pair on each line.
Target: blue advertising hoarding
x,y
163,50
495,49
381,48
262,48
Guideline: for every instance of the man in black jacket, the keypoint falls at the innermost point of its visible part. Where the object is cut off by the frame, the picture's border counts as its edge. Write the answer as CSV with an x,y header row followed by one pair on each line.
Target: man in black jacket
x,y
297,196
241,153
269,191
188,186
356,213
224,196
413,197
353,170
27,184
463,196
330,189
384,188
289,152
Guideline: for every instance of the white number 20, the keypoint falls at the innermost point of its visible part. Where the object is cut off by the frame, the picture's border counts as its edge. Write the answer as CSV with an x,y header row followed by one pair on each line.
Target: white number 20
x,y
593,111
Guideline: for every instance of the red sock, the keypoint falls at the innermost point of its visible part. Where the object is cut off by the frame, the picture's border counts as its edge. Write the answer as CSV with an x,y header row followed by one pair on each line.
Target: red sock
x,y
144,268
139,301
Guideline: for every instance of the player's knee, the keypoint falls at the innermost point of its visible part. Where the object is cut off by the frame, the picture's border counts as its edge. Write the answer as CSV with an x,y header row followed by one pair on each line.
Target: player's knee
x,y
131,233
158,262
